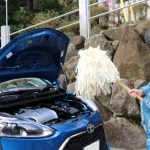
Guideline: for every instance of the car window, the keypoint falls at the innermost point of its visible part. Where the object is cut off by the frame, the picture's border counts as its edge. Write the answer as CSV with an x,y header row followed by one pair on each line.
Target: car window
x,y
23,83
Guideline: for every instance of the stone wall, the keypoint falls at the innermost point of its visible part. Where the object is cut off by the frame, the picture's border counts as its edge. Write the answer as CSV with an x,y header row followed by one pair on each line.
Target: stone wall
x,y
126,46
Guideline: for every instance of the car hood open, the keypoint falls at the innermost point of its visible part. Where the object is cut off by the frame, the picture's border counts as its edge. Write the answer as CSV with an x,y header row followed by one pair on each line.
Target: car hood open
x,y
38,53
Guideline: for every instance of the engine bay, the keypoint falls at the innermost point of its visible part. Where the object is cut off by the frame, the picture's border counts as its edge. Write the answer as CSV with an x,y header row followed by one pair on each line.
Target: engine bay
x,y
48,112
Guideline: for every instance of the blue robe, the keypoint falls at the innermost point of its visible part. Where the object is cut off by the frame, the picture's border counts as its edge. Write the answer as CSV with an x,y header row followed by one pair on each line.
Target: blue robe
x,y
145,113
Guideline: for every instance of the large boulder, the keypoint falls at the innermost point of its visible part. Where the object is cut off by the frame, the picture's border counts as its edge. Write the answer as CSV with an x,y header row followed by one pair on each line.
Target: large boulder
x,y
95,30
142,28
70,67
138,83
147,38
115,33
115,44
78,41
70,34
98,40
106,114
71,52
103,99
132,56
121,104
123,134
62,80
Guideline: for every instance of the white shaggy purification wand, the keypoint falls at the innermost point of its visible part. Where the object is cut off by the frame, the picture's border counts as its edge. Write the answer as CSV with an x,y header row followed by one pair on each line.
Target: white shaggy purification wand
x,y
95,74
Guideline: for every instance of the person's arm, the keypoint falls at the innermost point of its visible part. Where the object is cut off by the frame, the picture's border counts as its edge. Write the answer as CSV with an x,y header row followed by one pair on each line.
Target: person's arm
x,y
136,92
145,88
140,92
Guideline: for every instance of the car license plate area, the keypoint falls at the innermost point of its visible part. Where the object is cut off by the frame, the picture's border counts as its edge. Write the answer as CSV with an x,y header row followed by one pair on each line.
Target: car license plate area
x,y
93,146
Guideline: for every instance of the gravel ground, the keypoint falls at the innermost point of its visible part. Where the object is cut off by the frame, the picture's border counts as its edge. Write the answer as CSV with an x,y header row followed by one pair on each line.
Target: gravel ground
x,y
116,148
112,148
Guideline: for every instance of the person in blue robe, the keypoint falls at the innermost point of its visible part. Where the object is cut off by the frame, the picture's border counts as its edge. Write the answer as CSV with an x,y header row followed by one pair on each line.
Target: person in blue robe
x,y
145,109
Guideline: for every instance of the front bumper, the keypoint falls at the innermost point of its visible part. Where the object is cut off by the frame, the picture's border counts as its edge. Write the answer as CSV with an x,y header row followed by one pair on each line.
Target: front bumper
x,y
61,139
83,139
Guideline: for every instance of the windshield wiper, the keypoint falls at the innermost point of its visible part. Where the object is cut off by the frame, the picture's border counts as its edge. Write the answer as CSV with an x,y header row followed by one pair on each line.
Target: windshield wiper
x,y
34,92
22,93
25,92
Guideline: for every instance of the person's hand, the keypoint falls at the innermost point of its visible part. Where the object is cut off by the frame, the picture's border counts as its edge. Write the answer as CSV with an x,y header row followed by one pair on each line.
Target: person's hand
x,y
135,92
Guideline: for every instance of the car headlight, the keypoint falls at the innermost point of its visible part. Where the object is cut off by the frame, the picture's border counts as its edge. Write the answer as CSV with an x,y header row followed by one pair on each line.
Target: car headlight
x,y
11,126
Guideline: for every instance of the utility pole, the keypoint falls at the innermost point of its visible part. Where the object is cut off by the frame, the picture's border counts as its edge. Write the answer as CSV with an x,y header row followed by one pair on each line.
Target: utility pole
x,y
5,30
84,15
6,12
148,10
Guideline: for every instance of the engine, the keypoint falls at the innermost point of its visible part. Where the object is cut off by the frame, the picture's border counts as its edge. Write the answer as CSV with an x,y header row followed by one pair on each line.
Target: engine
x,y
41,115
49,113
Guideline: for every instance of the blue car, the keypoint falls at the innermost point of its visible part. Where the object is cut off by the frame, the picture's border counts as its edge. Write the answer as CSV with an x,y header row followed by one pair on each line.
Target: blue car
x,y
35,113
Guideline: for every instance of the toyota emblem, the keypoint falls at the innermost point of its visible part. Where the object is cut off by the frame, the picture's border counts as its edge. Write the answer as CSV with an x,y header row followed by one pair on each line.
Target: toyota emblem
x,y
90,128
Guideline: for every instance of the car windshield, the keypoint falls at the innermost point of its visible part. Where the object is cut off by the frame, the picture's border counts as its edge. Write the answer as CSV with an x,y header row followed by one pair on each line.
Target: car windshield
x,y
23,84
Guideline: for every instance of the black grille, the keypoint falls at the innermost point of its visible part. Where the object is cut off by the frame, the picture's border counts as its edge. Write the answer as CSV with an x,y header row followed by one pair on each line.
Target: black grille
x,y
82,140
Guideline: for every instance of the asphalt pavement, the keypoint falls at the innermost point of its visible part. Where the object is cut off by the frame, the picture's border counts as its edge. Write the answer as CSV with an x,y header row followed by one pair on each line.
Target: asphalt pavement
x,y
112,148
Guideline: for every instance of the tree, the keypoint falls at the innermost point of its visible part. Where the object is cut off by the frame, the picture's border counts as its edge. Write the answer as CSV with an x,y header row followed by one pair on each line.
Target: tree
x,y
30,5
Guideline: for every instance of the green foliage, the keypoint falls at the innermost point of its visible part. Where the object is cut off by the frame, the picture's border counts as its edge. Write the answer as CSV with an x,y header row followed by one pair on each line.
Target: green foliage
x,y
22,18
63,3
70,7
2,12
20,15
74,29
93,1
42,16
98,10
45,5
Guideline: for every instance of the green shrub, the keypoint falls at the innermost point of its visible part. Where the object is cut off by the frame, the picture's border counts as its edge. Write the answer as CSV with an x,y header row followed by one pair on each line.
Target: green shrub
x,y
45,5
96,10
74,28
2,12
21,19
40,17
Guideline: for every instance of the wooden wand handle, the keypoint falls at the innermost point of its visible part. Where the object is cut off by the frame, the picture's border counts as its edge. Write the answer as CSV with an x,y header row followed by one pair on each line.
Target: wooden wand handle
x,y
127,88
